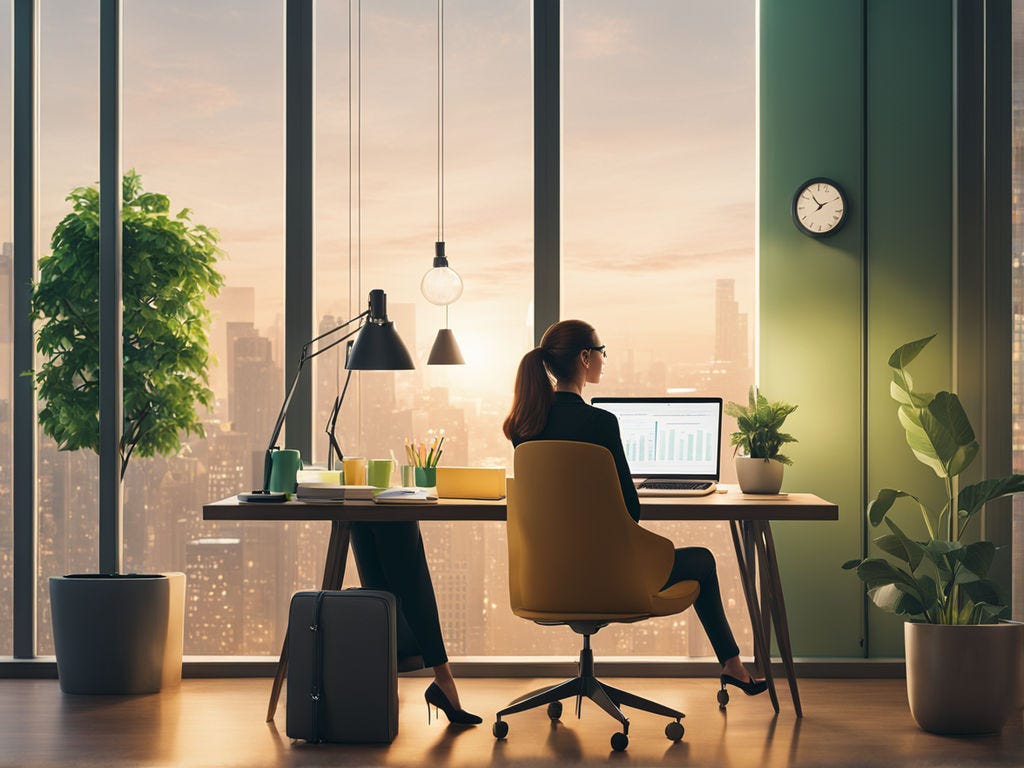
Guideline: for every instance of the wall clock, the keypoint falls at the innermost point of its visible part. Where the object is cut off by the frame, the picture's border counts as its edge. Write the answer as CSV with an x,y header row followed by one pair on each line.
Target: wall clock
x,y
819,207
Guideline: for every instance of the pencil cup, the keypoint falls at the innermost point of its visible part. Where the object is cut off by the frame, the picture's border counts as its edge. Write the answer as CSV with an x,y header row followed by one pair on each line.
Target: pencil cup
x,y
408,475
426,477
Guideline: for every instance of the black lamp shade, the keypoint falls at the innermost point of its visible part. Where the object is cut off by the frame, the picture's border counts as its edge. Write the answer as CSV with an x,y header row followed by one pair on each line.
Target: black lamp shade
x,y
445,350
379,348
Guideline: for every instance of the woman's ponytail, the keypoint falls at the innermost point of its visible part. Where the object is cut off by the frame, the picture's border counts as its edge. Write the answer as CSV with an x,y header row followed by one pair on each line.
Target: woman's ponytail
x,y
532,399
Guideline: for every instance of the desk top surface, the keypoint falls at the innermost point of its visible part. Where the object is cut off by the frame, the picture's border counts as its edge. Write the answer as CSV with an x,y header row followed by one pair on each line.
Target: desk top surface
x,y
732,505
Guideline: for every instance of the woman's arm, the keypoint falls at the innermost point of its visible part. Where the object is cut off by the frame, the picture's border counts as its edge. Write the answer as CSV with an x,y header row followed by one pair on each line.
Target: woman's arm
x,y
612,440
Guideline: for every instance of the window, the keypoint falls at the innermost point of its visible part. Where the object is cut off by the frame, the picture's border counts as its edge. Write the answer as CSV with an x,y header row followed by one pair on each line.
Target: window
x,y
1018,302
659,140
68,152
203,122
6,347
488,221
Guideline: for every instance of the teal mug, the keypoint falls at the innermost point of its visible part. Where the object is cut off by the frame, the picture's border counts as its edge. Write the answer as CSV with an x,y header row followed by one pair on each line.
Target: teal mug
x,y
284,466
426,477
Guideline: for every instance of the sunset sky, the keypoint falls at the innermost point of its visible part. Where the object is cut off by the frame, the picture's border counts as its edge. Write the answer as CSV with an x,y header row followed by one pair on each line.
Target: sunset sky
x,y
658,154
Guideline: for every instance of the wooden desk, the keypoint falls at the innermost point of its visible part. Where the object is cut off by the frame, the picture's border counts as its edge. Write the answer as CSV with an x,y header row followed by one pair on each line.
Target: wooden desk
x,y
748,517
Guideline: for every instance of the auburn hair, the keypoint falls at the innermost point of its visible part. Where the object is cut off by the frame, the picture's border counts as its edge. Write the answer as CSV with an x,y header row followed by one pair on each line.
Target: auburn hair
x,y
558,357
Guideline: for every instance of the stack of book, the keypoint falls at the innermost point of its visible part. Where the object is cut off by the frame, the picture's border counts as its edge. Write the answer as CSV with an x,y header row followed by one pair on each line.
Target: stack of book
x,y
319,493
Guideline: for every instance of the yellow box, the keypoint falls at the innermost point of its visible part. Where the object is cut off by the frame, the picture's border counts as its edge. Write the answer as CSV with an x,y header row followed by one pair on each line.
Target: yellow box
x,y
471,482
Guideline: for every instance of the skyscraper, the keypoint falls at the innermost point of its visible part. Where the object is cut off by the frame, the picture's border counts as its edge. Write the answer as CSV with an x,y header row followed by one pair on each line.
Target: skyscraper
x,y
214,601
231,305
730,325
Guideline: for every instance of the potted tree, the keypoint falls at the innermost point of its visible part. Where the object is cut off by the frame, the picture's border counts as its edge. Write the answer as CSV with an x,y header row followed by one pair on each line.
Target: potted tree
x,y
122,633
963,666
760,468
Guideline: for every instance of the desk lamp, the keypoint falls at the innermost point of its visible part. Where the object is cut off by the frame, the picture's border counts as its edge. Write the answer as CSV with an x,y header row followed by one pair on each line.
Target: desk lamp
x,y
377,348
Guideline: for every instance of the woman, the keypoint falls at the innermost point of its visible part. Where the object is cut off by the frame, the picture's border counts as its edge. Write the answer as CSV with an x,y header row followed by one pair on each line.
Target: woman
x,y
390,556
572,354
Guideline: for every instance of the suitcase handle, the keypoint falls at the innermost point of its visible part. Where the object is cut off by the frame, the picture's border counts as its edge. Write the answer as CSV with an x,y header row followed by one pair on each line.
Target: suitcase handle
x,y
317,682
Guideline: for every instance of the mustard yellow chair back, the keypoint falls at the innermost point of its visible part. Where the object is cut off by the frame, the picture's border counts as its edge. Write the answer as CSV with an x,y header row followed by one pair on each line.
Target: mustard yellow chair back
x,y
574,551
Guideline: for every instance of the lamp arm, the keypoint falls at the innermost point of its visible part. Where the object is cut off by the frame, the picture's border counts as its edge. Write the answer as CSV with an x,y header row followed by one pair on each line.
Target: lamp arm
x,y
306,355
334,448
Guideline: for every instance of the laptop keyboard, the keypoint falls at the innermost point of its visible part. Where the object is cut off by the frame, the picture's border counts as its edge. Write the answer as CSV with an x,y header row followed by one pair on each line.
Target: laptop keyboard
x,y
676,485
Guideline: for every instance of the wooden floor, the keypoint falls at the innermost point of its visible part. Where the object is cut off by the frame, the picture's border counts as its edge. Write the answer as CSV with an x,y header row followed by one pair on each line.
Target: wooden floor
x,y
220,723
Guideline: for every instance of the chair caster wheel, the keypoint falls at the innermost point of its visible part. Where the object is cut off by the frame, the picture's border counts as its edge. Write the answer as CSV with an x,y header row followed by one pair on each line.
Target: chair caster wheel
x,y
723,698
500,729
619,741
555,710
674,731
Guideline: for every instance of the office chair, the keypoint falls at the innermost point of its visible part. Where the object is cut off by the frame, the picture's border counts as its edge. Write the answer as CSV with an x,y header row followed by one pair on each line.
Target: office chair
x,y
576,557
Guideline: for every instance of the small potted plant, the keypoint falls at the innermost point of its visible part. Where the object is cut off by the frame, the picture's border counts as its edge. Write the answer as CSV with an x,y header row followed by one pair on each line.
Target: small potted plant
x,y
759,469
963,666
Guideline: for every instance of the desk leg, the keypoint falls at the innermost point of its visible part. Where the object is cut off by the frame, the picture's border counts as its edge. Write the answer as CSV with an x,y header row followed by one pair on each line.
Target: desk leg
x,y
745,558
770,571
760,596
334,574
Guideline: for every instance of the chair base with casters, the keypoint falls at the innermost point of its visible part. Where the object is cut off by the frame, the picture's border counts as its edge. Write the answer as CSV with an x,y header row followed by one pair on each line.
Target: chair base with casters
x,y
586,684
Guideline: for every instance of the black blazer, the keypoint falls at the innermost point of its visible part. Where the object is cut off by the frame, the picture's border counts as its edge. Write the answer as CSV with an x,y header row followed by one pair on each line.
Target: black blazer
x,y
570,418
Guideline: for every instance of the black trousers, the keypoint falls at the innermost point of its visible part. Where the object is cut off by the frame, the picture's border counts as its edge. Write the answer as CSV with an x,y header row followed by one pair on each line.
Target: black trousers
x,y
698,564
390,557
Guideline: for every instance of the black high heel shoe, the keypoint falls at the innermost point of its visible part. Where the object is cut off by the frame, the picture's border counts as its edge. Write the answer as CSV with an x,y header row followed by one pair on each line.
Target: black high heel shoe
x,y
435,697
751,688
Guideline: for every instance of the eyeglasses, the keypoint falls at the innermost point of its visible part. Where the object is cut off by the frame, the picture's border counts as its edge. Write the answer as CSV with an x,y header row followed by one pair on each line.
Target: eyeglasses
x,y
601,349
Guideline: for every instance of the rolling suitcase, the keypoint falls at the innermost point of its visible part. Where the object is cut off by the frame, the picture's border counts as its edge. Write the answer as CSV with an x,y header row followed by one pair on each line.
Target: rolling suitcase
x,y
342,670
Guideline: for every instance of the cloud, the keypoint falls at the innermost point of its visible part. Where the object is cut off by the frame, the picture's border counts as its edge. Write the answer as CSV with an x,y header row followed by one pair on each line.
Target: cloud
x,y
666,261
598,38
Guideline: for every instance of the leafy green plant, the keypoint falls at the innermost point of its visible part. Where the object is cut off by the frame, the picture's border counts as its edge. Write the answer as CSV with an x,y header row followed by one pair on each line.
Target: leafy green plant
x,y
758,426
941,580
168,272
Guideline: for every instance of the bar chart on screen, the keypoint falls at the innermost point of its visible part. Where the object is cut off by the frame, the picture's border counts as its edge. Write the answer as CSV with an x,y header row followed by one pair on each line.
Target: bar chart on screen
x,y
670,436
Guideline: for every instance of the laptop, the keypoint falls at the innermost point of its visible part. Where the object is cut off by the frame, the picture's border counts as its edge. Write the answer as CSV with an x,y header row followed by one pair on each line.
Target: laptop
x,y
672,444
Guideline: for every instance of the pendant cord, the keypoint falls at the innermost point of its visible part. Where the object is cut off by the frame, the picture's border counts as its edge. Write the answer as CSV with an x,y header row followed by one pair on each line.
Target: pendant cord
x,y
349,312
440,120
359,150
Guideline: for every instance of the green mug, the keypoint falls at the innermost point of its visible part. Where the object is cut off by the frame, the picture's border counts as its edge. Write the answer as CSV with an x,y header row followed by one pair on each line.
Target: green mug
x,y
284,466
378,472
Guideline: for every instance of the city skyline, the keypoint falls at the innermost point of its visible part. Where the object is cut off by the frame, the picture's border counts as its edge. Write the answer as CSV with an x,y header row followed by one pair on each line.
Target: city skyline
x,y
267,562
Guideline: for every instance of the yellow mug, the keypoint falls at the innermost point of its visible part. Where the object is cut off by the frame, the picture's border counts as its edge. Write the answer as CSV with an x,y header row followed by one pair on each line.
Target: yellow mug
x,y
355,471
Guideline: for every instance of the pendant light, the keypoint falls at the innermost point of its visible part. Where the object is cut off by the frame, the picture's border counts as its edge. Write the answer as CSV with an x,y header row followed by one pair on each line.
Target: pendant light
x,y
441,284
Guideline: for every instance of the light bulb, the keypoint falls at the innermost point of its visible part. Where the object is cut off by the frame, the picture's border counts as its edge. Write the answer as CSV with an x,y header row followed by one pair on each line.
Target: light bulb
x,y
442,284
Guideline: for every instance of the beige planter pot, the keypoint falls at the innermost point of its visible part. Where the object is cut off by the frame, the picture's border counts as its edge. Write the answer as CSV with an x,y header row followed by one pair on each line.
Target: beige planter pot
x,y
759,475
963,679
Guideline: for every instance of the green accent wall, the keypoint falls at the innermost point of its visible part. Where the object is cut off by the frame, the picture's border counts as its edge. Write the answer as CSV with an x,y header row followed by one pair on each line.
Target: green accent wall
x,y
860,92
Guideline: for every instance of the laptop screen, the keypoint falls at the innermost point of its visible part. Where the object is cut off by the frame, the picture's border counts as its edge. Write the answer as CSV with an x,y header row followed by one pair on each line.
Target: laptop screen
x,y
669,436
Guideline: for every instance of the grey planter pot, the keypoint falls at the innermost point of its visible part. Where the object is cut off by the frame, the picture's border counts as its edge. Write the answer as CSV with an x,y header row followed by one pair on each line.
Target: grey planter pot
x,y
759,475
963,679
117,634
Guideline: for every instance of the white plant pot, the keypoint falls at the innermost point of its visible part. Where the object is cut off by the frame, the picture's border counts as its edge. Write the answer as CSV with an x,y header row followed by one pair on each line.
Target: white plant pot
x,y
759,475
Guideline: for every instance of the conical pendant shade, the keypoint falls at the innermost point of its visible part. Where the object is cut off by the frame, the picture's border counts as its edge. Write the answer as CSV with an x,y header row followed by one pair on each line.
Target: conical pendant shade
x,y
445,350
